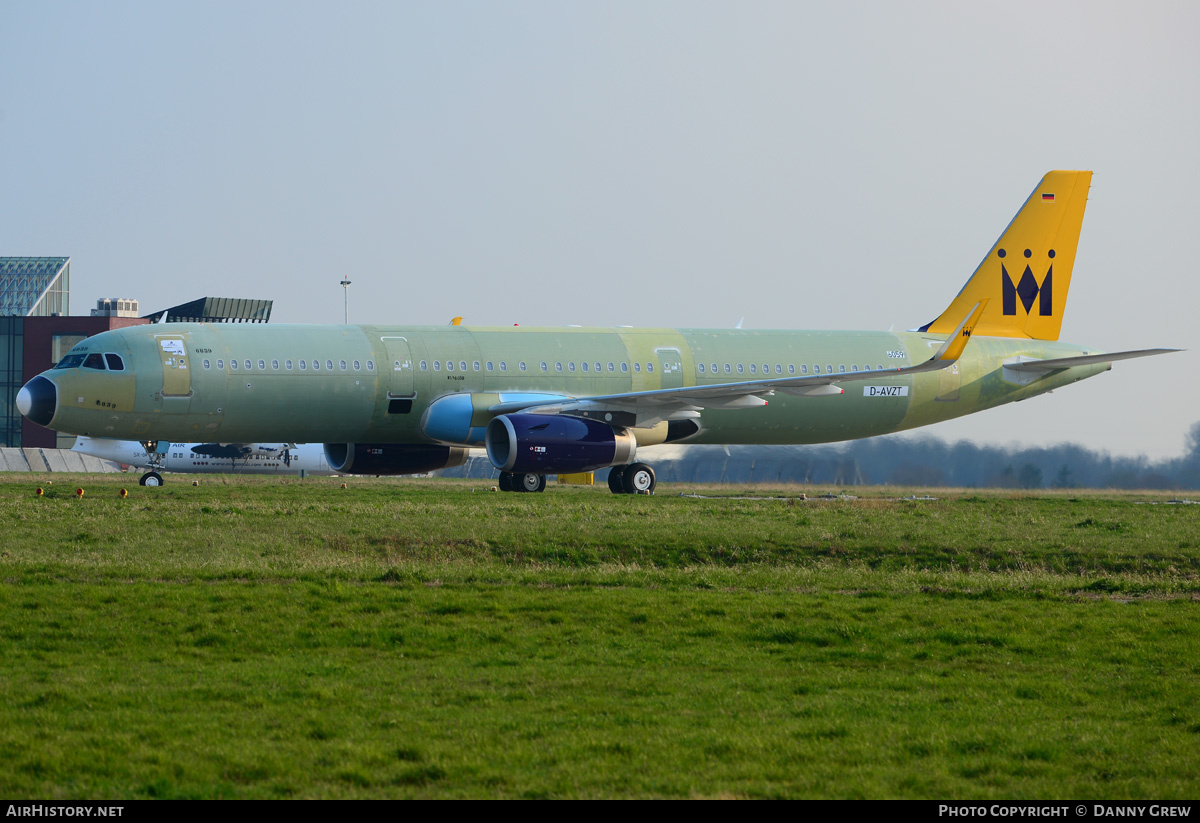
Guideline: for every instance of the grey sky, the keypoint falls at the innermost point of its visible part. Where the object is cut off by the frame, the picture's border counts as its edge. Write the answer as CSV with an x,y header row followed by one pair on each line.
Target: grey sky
x,y
674,164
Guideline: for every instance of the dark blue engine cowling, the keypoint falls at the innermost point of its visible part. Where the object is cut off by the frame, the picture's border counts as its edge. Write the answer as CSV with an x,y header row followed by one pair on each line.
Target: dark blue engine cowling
x,y
392,458
556,444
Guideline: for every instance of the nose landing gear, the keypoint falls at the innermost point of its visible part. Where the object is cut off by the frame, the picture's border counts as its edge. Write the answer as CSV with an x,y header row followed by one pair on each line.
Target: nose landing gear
x,y
156,452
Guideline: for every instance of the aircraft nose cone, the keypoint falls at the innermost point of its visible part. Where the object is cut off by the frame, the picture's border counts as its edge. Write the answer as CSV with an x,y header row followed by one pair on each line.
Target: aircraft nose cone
x,y
38,400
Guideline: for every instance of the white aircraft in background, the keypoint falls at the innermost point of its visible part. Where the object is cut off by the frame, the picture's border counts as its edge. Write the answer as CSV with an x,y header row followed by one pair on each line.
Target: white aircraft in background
x,y
210,458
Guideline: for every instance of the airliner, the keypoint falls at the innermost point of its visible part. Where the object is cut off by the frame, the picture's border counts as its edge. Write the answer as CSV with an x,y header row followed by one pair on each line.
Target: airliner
x,y
207,458
408,399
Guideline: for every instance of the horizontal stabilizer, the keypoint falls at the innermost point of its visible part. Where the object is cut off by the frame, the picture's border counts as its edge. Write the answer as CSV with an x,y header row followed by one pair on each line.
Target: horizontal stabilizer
x,y
1026,365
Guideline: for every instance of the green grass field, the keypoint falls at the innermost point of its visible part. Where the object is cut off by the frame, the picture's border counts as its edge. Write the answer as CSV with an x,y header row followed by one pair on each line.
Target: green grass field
x,y
259,637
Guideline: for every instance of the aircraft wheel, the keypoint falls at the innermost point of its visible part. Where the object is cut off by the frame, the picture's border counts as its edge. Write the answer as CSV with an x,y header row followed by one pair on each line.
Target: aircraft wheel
x,y
615,485
505,483
638,478
529,482
150,479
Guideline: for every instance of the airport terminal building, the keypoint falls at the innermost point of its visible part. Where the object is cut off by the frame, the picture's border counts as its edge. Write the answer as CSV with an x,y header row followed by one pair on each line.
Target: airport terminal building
x,y
37,329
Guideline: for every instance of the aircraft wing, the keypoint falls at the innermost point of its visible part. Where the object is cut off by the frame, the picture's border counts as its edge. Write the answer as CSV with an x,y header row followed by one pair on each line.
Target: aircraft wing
x,y
647,408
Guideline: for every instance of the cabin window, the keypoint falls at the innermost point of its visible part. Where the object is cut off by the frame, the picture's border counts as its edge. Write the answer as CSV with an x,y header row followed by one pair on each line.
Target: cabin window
x,y
816,368
557,366
491,366
437,365
262,365
545,366
424,365
792,368
475,366
740,369
611,367
247,364
727,369
778,369
624,367
114,362
287,364
753,369
637,367
342,364
521,365
597,367
232,364
714,368
316,365
220,364
370,365
584,364
571,366
842,369
275,365
329,365
503,366
462,365
853,367
358,366
766,369
829,368
207,364
700,368
880,367
449,365
649,367
303,365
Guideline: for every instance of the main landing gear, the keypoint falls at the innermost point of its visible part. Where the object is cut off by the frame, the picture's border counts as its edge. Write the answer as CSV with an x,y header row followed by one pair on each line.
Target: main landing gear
x,y
522,482
150,479
636,478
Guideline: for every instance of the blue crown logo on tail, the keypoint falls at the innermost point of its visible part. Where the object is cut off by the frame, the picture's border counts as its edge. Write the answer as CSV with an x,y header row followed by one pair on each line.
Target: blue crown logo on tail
x,y
1027,289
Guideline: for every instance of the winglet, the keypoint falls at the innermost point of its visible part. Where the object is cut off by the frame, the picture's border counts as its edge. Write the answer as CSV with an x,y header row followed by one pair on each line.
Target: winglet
x,y
456,321
952,349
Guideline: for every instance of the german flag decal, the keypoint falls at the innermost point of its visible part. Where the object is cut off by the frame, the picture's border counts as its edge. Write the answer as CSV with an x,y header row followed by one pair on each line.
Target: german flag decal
x,y
1047,198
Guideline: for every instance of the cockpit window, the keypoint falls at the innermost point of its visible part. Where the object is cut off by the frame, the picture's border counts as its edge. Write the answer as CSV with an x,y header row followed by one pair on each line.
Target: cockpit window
x,y
114,362
71,361
94,361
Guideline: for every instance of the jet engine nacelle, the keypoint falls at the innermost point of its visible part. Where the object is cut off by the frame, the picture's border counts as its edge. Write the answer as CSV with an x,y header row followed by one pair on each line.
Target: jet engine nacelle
x,y
556,444
392,458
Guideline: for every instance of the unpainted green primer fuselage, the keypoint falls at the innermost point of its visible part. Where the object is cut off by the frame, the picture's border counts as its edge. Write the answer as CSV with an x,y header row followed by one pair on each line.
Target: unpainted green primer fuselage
x,y
351,377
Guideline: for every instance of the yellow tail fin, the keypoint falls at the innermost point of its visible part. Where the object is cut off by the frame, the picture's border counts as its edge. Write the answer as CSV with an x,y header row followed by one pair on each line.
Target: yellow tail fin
x,y
1023,281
